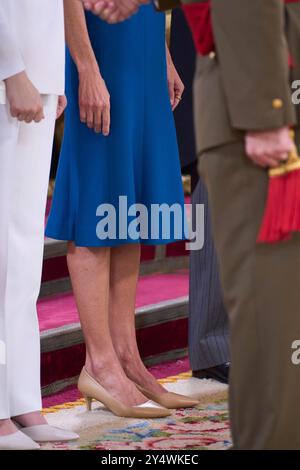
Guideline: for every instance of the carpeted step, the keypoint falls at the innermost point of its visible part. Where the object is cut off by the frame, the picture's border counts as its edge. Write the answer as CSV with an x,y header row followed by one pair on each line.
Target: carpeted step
x,y
154,259
161,321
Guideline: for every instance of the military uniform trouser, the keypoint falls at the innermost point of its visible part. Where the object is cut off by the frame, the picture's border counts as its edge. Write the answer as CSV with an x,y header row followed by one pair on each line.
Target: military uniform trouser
x,y
261,285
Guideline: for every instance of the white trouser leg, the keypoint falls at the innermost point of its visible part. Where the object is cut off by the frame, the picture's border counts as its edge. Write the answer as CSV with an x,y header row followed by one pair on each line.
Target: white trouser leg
x,y
25,155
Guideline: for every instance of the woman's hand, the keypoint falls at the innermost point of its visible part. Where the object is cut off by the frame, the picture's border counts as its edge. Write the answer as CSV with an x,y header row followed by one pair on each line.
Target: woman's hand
x,y
114,11
175,84
61,106
94,101
24,99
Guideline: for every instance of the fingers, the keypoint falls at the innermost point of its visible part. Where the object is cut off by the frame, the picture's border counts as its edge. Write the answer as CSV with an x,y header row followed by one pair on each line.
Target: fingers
x,y
112,14
87,5
178,97
112,11
114,17
273,161
268,149
176,100
90,118
96,7
102,119
265,161
283,156
178,91
97,118
61,106
83,113
26,104
171,92
28,116
103,8
87,115
22,116
106,120
94,102
40,116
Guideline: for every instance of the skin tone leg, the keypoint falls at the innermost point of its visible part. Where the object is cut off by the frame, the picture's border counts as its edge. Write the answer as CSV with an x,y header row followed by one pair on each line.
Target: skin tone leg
x,y
90,273
31,419
35,418
7,427
124,272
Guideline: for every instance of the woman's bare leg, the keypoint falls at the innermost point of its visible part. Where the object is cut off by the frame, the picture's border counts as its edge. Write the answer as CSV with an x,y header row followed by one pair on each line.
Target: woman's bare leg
x,y
90,273
35,418
124,269
7,427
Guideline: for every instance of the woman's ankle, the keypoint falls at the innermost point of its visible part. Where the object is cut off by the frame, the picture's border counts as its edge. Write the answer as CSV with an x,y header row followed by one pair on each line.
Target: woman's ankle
x,y
137,372
30,419
98,365
129,359
7,427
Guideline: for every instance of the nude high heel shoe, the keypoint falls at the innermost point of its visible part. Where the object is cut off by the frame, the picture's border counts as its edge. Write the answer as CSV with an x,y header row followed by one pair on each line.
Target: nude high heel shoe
x,y
91,389
170,400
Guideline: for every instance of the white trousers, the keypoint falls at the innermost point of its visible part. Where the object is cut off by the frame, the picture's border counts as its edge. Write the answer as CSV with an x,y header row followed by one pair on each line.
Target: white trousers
x,y
25,156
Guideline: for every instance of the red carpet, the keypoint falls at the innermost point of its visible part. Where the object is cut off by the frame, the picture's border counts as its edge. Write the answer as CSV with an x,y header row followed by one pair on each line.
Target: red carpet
x,y
61,310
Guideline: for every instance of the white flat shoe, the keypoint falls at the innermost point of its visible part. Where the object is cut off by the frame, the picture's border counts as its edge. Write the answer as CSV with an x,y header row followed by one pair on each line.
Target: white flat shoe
x,y
17,441
47,433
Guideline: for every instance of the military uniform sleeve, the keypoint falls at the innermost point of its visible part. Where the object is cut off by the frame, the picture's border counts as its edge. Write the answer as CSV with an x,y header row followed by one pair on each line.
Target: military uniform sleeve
x,y
252,52
11,61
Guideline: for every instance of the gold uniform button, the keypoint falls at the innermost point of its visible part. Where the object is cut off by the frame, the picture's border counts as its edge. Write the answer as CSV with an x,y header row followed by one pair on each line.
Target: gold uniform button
x,y
277,103
212,55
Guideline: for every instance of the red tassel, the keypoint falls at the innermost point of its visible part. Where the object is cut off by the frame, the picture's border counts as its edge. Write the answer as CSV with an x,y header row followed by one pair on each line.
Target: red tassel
x,y
271,230
291,214
282,214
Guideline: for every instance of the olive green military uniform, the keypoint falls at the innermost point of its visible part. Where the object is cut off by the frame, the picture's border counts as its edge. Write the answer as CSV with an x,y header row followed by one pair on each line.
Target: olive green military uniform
x,y
245,86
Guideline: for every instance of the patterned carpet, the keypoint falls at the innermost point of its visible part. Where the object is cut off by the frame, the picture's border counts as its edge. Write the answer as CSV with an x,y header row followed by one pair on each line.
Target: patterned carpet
x,y
205,427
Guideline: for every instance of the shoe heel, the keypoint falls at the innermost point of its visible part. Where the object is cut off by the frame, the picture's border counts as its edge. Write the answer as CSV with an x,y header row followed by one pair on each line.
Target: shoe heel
x,y
88,402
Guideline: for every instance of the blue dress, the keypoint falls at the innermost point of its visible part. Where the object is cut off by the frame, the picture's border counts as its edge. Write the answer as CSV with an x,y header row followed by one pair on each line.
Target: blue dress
x,y
101,181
